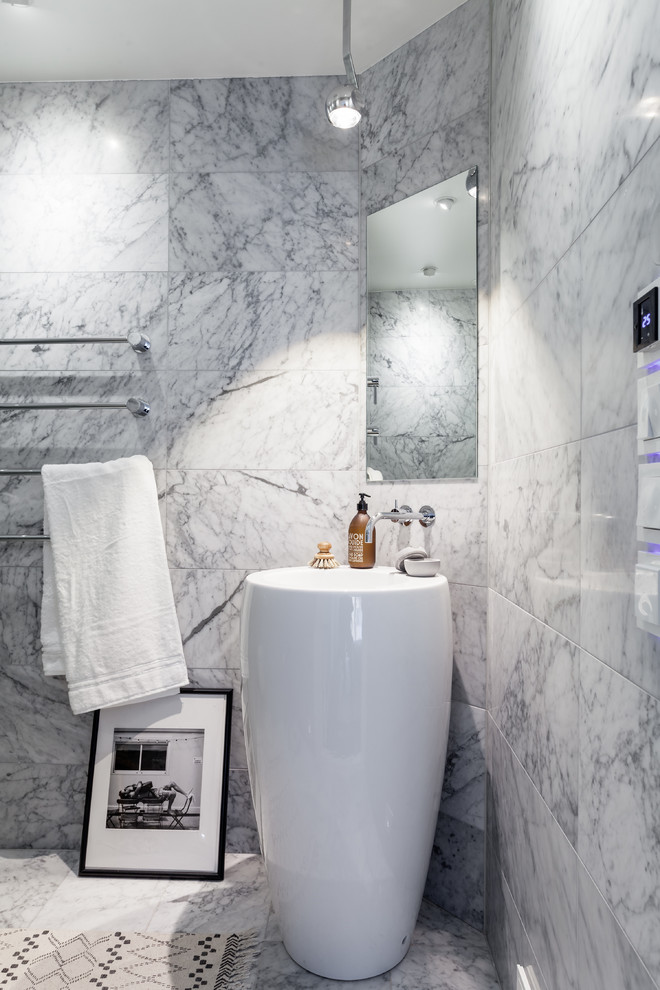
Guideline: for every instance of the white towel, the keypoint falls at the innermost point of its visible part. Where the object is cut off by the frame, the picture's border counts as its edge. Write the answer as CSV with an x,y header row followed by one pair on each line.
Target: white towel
x,y
108,620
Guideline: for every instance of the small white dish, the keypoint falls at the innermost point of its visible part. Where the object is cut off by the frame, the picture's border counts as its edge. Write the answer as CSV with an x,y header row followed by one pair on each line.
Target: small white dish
x,y
428,567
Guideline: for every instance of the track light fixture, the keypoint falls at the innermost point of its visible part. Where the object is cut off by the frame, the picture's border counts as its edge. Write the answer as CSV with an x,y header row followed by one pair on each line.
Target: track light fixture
x,y
343,104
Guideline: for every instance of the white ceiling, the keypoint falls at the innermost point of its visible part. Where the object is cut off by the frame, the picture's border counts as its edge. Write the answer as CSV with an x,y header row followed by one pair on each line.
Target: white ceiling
x,y
189,39
404,238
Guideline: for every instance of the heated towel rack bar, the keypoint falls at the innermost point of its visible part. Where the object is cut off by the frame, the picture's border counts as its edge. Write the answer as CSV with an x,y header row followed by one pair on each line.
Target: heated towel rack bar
x,y
139,407
138,341
39,536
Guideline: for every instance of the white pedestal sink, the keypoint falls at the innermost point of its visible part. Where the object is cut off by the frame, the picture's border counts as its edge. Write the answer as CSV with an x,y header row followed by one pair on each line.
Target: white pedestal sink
x,y
346,697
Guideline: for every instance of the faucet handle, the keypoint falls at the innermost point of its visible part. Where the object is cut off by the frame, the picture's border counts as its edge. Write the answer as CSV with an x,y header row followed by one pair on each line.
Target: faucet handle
x,y
429,516
405,508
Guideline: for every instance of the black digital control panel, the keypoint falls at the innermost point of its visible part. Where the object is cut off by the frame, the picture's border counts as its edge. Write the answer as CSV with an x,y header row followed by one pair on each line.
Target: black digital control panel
x,y
645,319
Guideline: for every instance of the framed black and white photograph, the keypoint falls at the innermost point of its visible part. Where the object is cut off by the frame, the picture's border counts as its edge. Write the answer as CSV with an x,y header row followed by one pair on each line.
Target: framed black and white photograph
x,y
156,801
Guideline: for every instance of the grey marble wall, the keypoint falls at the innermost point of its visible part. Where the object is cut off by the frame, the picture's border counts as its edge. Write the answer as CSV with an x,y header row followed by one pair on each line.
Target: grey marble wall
x,y
427,120
422,347
229,235
574,687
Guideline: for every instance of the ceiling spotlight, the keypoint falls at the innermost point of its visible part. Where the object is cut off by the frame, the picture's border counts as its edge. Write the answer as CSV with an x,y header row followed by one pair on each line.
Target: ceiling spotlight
x,y
429,271
471,182
444,203
343,104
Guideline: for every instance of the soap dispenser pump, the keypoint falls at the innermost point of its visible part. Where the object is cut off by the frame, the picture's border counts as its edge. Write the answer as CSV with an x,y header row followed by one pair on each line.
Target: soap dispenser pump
x,y
360,554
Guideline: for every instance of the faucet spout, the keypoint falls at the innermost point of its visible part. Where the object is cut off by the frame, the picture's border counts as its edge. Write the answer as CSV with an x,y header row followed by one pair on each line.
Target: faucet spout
x,y
404,516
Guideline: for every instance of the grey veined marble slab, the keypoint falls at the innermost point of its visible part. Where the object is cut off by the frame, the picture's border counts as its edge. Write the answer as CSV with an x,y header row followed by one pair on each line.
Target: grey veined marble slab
x,y
435,78
534,678
257,125
84,127
263,321
620,790
82,304
62,223
275,221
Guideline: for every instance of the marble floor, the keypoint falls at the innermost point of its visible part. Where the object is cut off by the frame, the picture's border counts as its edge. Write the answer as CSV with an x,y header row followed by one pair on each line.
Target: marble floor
x,y
40,889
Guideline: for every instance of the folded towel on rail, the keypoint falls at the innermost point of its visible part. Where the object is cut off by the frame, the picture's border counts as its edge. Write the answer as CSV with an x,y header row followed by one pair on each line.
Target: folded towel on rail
x,y
108,621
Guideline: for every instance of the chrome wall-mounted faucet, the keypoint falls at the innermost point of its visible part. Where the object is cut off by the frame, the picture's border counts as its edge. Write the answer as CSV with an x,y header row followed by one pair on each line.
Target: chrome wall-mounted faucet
x,y
404,516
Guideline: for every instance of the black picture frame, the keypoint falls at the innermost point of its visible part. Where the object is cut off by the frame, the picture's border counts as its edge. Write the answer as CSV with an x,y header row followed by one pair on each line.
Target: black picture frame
x,y
164,829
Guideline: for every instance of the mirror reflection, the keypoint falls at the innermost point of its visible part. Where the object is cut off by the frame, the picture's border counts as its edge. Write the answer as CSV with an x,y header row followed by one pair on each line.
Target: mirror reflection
x,y
422,334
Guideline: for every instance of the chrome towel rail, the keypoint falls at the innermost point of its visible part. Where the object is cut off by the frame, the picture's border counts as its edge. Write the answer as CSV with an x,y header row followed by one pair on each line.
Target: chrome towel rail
x,y
24,536
138,341
135,405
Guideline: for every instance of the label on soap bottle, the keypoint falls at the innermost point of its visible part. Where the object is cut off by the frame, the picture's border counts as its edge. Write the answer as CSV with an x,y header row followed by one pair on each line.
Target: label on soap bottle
x,y
356,548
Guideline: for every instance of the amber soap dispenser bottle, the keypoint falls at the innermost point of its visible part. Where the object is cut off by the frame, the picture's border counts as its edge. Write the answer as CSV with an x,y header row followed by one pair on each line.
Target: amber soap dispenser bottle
x,y
361,554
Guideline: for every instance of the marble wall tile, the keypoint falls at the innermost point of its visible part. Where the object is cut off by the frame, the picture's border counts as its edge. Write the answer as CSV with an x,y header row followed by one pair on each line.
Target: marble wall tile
x,y
455,880
464,786
42,805
534,544
537,53
607,960
65,127
33,437
608,538
206,677
418,313
620,795
422,456
445,361
81,304
21,511
458,536
37,725
281,221
440,75
505,931
209,524
242,835
438,155
83,223
533,698
257,125
20,594
538,862
535,370
208,604
424,411
263,321
469,607
264,421
619,118
612,244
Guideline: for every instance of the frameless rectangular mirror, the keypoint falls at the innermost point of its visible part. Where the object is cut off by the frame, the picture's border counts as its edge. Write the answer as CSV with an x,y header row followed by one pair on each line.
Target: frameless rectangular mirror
x,y
422,334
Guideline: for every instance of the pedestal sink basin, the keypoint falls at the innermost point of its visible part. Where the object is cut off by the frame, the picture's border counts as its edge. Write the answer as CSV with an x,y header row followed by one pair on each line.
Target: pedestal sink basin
x,y
346,696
